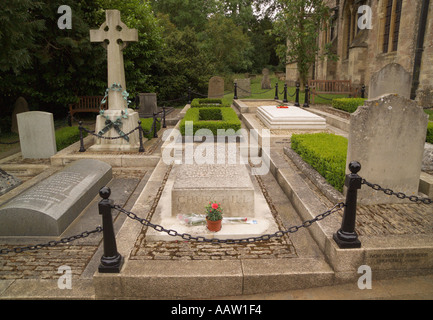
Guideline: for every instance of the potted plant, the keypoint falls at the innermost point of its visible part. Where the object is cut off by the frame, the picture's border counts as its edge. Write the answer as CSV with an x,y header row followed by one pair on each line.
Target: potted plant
x,y
214,216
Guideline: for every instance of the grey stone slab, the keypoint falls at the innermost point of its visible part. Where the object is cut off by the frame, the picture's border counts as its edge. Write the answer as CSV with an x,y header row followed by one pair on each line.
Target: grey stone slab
x,y
49,207
7,182
37,136
393,78
216,88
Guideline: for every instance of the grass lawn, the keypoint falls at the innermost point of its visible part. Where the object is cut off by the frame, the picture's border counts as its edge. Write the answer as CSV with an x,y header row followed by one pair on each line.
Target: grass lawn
x,y
259,93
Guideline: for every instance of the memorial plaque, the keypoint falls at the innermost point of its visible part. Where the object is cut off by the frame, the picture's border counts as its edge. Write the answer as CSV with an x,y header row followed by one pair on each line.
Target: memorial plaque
x,y
50,206
197,185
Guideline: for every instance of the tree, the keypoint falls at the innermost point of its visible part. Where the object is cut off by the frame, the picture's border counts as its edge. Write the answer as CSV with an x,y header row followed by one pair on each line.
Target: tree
x,y
297,27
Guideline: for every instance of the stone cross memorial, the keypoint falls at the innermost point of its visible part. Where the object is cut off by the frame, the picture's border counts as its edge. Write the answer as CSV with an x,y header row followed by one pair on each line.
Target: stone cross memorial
x,y
50,206
114,35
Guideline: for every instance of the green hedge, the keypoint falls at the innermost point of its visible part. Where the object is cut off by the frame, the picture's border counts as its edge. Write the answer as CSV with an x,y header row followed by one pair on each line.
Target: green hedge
x,y
348,104
146,124
66,136
324,152
209,103
211,118
429,138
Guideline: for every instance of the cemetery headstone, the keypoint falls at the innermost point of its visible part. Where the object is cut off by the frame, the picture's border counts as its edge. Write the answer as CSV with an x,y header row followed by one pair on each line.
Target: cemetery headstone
x,y
20,106
392,78
7,182
244,87
266,81
148,105
50,206
216,88
387,137
115,35
37,135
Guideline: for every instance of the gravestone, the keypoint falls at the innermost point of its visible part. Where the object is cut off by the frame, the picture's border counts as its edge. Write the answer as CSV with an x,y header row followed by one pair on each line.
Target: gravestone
x,y
290,117
216,88
37,135
266,81
387,137
393,78
20,106
243,87
197,185
49,207
115,35
148,105
7,182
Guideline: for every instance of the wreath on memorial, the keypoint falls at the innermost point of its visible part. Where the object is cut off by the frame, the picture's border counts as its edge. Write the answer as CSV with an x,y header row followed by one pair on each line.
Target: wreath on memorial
x,y
117,124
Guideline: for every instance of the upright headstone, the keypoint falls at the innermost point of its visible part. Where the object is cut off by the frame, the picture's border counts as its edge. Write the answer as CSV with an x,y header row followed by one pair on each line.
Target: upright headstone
x,y
37,135
7,182
266,81
148,104
216,88
20,106
392,78
243,87
115,35
387,137
50,206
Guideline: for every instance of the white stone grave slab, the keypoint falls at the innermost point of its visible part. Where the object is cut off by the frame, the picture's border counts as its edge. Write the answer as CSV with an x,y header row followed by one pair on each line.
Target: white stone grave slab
x,y
37,135
290,118
49,207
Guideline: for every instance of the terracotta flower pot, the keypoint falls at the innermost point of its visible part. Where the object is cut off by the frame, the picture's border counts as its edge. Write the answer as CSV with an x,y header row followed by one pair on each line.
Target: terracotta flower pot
x,y
214,226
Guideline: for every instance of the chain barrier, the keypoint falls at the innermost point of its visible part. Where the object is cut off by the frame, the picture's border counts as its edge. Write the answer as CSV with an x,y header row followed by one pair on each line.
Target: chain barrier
x,y
13,142
265,237
51,243
399,195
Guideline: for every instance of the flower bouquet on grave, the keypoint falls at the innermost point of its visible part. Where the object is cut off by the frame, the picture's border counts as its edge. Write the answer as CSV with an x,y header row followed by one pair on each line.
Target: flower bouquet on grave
x,y
214,216
282,107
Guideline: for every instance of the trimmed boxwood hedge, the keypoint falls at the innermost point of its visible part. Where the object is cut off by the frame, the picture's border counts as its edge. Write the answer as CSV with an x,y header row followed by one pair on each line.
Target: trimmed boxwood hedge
x,y
348,104
209,103
326,153
211,118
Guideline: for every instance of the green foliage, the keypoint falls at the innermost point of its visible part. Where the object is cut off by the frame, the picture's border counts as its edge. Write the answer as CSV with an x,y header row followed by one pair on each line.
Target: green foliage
x,y
348,104
430,114
207,102
297,26
429,138
66,136
146,124
214,212
324,152
212,119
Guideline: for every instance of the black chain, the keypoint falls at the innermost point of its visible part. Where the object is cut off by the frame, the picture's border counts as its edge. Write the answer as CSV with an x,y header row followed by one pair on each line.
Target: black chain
x,y
264,237
399,195
13,142
51,243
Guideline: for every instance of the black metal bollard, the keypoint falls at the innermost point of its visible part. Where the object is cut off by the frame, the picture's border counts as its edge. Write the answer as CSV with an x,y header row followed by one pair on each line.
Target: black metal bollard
x,y
363,91
236,91
346,237
297,94
285,93
189,95
81,137
164,125
276,91
307,97
140,136
155,133
69,119
111,261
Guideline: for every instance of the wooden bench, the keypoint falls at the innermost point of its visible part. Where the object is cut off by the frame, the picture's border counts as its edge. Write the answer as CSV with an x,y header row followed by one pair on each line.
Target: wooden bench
x,y
331,87
87,104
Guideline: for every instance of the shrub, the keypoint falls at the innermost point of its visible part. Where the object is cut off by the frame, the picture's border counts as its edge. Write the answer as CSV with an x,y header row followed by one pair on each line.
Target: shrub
x,y
348,104
66,136
429,138
146,124
209,103
324,152
211,118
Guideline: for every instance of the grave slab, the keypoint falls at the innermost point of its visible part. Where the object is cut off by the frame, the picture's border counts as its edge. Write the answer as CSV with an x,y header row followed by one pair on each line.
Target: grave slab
x,y
290,118
49,207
